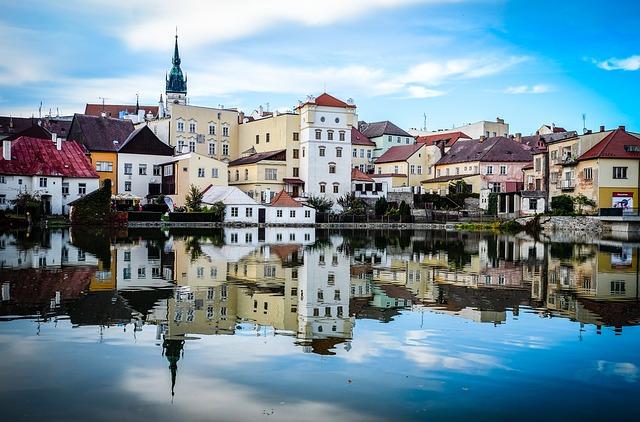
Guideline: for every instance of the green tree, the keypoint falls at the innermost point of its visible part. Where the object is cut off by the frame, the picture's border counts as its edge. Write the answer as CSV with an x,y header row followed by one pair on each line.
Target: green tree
x,y
193,200
492,208
582,201
562,205
352,205
28,203
320,203
381,206
405,211
217,209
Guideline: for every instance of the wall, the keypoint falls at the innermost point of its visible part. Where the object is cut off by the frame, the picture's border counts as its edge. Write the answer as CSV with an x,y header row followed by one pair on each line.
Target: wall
x,y
298,218
256,184
242,216
363,158
112,157
184,179
139,183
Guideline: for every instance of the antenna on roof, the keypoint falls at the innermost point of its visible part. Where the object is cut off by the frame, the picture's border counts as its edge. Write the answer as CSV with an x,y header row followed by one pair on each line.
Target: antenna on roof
x,y
584,123
267,104
424,125
103,98
40,110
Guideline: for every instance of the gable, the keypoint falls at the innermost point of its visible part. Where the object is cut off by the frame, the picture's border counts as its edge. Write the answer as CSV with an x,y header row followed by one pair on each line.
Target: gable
x,y
144,141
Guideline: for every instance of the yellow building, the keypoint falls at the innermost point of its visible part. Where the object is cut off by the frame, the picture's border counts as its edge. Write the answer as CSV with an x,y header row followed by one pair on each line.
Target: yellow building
x,y
410,161
261,175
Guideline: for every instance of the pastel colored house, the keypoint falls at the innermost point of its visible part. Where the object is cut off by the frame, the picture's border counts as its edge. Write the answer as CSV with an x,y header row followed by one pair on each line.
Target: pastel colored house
x,y
239,207
410,160
365,186
286,210
184,170
261,175
362,149
385,135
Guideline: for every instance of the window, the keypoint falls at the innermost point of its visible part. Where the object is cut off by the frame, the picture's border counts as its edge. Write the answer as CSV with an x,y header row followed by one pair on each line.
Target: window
x,y
303,152
322,187
318,134
65,188
368,153
279,237
3,199
332,168
279,213
127,186
246,174
257,139
248,212
361,152
43,182
336,295
503,169
248,238
412,169
320,294
128,168
341,135
296,153
200,172
271,174
398,139
168,170
142,272
307,213
225,131
619,172
192,128
396,169
104,166
82,189
237,175
336,188
212,148
192,146
338,152
180,126
355,153
157,170
234,236
268,137
292,236
292,214
126,273
234,211
533,204
214,173
142,169
330,135
588,173
406,141
419,170
180,146
3,180
618,288
296,136
321,149
296,172
538,164
225,149
212,130
489,170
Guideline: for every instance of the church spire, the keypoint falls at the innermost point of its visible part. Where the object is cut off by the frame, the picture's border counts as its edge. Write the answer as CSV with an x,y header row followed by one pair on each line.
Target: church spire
x,y
176,55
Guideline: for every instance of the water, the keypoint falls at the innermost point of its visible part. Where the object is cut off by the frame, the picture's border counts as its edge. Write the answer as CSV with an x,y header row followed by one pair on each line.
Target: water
x,y
299,324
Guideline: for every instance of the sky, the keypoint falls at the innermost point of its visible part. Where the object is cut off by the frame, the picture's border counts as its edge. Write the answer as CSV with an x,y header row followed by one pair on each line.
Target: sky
x,y
455,61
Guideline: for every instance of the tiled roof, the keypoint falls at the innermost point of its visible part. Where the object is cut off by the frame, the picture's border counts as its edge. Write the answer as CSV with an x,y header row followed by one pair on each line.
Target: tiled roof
x,y
113,110
283,199
449,138
293,181
357,138
37,132
375,129
359,176
327,100
449,178
57,126
279,155
9,124
617,144
398,153
100,133
37,157
496,149
144,141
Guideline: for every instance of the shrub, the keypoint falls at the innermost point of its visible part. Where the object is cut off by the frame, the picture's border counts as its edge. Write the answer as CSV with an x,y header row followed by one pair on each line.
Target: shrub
x,y
320,203
381,206
193,200
562,205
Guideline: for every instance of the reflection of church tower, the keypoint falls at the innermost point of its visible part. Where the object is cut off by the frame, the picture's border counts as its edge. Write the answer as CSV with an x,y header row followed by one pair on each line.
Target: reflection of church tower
x,y
172,349
176,89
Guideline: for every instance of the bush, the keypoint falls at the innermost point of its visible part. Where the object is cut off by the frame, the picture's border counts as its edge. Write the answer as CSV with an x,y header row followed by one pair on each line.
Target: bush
x,y
193,200
320,203
381,206
562,205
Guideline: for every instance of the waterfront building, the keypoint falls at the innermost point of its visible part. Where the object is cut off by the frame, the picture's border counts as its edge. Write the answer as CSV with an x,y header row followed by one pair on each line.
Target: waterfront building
x,y
365,186
362,151
55,170
385,135
184,170
414,161
239,207
283,209
261,175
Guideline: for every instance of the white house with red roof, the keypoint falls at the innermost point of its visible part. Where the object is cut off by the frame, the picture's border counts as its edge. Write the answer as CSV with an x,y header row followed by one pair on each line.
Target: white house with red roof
x,y
365,186
57,171
283,209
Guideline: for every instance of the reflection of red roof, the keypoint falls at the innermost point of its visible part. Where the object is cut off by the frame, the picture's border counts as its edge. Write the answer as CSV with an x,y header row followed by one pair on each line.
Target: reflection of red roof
x,y
329,101
617,144
113,110
359,176
283,199
357,138
448,138
399,153
38,157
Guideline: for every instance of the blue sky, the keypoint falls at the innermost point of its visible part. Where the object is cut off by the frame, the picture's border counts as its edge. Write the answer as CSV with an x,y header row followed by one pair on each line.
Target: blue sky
x,y
457,61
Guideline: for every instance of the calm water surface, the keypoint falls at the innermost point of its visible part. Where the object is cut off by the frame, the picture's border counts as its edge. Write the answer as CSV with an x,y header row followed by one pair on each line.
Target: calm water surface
x,y
300,324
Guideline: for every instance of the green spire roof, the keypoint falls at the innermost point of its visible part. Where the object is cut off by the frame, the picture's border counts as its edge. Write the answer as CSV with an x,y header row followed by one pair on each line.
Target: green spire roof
x,y
176,82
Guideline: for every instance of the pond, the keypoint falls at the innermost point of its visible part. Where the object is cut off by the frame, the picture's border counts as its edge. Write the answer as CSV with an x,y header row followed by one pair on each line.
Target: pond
x,y
304,324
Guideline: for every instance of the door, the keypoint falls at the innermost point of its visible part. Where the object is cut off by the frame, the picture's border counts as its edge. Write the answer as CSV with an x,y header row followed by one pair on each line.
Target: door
x,y
46,204
296,191
261,215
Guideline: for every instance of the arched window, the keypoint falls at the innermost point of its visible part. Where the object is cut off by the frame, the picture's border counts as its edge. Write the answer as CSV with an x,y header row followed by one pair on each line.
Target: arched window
x,y
323,187
332,168
336,187
246,174
338,152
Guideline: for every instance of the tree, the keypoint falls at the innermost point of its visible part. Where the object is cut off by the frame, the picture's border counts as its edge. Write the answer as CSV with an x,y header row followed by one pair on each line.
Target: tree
x,y
562,205
27,202
582,201
218,210
193,200
492,208
381,206
351,204
320,203
405,211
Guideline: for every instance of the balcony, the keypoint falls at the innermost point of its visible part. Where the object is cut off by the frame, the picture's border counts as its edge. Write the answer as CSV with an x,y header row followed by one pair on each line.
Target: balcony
x,y
567,185
569,161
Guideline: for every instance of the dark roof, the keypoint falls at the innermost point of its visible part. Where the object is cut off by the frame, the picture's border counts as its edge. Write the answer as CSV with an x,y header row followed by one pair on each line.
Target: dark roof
x,y
57,126
100,133
495,149
375,129
113,110
448,138
548,138
36,157
398,153
293,181
617,144
357,138
279,155
327,100
449,178
9,124
37,132
357,175
556,129
144,141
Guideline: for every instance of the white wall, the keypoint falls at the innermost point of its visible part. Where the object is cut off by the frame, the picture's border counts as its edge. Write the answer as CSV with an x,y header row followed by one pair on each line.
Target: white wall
x,y
139,183
524,206
57,253
242,216
299,217
136,270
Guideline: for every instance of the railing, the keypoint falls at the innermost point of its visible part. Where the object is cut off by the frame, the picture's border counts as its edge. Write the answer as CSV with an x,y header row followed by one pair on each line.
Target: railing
x,y
567,184
618,212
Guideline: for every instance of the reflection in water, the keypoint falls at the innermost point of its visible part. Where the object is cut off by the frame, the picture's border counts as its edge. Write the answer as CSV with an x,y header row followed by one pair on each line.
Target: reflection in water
x,y
312,286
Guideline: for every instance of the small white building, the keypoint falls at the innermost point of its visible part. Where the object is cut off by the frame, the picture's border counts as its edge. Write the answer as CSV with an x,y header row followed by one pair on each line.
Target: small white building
x,y
364,186
57,171
286,210
239,207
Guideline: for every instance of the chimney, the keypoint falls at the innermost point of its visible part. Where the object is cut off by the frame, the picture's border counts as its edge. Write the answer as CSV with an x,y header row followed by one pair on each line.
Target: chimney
x,y
6,150
621,127
553,127
260,111
601,128
57,141
482,138
518,137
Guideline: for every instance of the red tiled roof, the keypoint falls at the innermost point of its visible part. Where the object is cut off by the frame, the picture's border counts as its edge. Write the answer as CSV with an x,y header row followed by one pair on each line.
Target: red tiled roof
x,y
359,176
293,181
37,157
399,153
113,110
617,144
279,155
328,101
283,199
449,138
357,138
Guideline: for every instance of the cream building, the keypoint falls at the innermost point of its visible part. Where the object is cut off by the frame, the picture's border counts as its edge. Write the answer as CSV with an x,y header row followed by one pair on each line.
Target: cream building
x,y
412,161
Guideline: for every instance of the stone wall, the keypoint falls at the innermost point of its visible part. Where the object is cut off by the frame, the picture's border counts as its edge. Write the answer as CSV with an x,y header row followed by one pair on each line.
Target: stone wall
x,y
582,224
400,196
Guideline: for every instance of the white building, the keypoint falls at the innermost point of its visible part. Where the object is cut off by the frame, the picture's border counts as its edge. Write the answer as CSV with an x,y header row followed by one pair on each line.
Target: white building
x,y
55,170
325,144
139,163
385,135
473,130
286,210
140,267
239,207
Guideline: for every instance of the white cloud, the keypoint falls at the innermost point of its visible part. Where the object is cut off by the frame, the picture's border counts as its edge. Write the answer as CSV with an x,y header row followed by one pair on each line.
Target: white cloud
x,y
21,66
527,89
416,91
630,63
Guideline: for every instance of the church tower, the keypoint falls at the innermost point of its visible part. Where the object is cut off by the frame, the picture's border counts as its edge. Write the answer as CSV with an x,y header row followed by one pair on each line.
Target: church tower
x,y
176,89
